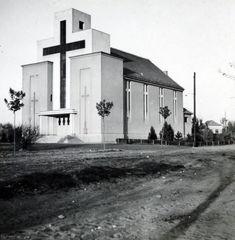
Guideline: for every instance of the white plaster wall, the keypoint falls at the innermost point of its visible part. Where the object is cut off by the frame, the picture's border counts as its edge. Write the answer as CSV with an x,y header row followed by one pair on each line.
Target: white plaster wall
x,y
93,62
40,76
112,91
137,126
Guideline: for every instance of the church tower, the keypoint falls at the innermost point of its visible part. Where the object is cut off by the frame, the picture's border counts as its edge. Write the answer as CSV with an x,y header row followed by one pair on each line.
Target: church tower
x,y
58,95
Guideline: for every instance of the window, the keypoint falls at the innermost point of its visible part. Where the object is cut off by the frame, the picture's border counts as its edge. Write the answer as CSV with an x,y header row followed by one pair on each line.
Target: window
x,y
81,25
175,105
161,102
185,119
51,97
146,102
128,97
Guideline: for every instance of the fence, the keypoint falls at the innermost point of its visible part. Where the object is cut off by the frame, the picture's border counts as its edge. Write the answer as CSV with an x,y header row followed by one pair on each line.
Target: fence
x,y
175,142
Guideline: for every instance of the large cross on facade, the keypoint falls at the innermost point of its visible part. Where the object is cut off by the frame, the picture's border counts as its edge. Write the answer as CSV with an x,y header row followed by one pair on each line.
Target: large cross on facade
x,y
85,123
174,103
62,49
34,114
145,101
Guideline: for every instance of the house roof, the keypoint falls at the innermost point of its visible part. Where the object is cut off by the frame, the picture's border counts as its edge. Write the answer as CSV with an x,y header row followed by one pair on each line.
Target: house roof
x,y
187,112
211,123
142,69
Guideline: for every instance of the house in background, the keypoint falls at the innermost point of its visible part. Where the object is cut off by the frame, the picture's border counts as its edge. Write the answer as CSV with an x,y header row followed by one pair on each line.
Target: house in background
x,y
215,127
78,68
187,122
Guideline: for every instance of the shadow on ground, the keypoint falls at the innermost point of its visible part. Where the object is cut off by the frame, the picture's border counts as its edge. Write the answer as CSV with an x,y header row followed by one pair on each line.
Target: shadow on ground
x,y
40,183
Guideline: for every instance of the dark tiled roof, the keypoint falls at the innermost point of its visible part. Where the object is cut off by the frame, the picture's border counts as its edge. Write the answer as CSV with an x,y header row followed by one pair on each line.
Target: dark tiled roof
x,y
187,112
212,123
142,69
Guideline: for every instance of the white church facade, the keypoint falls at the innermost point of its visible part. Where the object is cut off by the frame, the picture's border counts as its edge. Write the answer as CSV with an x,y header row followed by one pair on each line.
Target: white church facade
x,y
78,68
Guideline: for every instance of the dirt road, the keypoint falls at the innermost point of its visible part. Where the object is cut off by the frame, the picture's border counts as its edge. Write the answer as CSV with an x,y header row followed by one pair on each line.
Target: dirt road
x,y
156,193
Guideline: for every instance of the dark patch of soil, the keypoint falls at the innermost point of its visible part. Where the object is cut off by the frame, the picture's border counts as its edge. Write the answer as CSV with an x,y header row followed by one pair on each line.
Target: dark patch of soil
x,y
39,183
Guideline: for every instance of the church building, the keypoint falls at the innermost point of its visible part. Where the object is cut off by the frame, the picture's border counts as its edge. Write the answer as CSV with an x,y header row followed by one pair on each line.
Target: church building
x,y
76,69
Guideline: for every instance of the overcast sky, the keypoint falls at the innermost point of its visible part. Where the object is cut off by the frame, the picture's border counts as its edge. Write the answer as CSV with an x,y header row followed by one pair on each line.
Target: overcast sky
x,y
180,36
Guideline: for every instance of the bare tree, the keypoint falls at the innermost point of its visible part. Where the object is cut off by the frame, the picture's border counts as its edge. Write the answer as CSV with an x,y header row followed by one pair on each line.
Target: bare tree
x,y
104,109
14,105
223,121
226,73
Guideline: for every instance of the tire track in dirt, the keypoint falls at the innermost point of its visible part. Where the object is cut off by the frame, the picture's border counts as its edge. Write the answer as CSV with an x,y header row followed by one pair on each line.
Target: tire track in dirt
x,y
226,179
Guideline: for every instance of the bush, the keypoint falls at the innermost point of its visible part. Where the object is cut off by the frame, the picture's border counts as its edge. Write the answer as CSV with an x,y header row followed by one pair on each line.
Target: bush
x,y
25,135
29,136
7,133
152,134
207,135
168,132
178,136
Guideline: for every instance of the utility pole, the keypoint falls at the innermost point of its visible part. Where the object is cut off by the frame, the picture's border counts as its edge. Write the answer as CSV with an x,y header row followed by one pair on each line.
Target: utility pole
x,y
194,118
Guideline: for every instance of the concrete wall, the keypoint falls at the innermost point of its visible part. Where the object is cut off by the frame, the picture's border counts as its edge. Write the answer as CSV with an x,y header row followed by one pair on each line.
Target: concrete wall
x,y
37,78
78,65
80,16
103,77
138,126
112,91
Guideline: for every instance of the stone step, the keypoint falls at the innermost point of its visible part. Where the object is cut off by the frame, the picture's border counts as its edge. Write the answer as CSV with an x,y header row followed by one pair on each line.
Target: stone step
x,y
59,139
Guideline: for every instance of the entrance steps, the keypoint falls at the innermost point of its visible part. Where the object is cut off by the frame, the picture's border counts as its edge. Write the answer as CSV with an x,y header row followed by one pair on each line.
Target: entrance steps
x,y
59,139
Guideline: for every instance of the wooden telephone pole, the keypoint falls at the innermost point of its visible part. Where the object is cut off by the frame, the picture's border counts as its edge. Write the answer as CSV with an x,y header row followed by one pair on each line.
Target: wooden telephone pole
x,y
194,117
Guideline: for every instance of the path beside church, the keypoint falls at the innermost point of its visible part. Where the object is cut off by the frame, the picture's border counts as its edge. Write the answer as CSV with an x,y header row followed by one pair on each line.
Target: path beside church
x,y
194,202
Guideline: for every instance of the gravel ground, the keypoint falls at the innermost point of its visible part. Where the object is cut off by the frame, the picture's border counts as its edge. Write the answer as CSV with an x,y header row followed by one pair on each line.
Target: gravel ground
x,y
124,192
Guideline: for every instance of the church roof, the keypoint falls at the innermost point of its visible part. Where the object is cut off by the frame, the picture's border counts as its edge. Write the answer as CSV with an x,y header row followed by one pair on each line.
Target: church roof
x,y
212,123
142,69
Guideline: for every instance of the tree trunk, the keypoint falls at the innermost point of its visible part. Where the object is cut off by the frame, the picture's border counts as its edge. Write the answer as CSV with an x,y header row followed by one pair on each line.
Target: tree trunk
x,y
104,133
163,132
14,135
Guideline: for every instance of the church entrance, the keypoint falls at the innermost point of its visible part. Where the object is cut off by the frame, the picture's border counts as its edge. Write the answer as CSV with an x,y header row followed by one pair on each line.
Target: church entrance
x,y
57,122
63,125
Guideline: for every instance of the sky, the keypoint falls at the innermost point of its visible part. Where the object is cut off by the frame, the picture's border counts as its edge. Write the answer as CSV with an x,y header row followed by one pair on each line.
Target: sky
x,y
178,36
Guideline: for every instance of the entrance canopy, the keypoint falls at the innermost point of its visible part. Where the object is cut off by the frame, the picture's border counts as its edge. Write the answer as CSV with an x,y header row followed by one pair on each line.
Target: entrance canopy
x,y
58,113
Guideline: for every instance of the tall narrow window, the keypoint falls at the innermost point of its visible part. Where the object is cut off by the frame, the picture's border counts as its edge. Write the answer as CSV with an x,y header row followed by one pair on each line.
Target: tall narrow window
x,y
128,97
161,102
175,105
146,102
63,64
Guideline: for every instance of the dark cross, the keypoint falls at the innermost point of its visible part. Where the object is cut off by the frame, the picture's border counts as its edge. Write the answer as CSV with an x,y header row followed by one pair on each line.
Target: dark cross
x,y
85,96
62,49
34,101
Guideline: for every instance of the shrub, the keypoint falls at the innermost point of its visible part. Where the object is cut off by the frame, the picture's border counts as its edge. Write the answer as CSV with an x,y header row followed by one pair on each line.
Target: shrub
x,y
152,134
7,133
29,136
167,132
178,137
207,135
